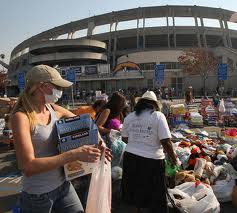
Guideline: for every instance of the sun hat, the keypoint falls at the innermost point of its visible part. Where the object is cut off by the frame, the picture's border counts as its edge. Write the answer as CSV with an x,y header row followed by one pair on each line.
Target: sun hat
x,y
44,73
149,95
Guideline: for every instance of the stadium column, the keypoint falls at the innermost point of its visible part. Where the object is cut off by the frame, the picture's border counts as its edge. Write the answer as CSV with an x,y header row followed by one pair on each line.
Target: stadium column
x,y
91,27
223,33
72,35
143,30
115,44
228,33
198,32
203,33
174,29
138,16
168,33
110,41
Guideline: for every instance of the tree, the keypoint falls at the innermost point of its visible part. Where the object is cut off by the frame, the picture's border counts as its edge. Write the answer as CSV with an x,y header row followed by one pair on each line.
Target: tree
x,y
198,61
3,78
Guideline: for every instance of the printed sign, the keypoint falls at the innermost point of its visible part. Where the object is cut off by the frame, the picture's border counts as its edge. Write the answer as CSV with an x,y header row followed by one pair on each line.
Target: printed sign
x,y
91,70
71,75
222,70
21,80
159,74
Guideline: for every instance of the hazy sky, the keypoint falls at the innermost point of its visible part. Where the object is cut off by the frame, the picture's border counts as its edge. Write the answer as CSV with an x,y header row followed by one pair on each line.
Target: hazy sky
x,y
21,19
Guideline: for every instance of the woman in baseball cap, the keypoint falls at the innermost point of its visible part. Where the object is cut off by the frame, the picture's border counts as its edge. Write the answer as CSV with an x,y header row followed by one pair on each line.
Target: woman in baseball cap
x,y
33,122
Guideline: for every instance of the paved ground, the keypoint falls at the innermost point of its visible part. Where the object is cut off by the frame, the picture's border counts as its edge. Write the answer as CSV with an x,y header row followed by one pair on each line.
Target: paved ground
x,y
9,179
10,186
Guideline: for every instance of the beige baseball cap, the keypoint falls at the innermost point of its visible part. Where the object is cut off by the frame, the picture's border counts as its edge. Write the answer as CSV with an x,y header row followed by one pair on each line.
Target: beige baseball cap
x,y
44,73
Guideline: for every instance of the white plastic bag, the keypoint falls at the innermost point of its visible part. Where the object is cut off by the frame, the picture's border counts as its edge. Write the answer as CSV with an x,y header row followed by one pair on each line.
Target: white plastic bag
x,y
99,196
196,198
223,189
117,146
222,106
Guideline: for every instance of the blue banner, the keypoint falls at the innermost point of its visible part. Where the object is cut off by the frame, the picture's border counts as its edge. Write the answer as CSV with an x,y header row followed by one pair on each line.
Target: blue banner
x,y
71,75
222,70
159,74
21,80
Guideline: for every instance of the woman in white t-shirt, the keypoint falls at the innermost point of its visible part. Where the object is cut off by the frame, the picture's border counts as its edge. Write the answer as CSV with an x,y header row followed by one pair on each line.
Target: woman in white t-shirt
x,y
147,133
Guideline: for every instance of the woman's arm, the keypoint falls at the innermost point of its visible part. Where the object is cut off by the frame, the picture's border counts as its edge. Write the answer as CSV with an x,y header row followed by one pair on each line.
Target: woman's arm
x,y
62,112
167,146
101,121
31,165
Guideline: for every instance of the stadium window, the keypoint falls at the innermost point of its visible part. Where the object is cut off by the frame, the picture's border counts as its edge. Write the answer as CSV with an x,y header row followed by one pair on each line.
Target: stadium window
x,y
64,36
171,37
170,21
149,83
140,23
140,42
211,22
172,65
232,25
184,21
147,66
63,73
124,25
141,66
155,22
24,62
17,65
80,33
101,29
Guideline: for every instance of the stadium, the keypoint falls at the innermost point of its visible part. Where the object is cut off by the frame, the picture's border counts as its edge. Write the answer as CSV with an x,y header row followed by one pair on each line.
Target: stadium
x,y
118,50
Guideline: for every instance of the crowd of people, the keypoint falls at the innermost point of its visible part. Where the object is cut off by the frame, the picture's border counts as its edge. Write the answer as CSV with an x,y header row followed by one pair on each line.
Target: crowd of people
x,y
143,127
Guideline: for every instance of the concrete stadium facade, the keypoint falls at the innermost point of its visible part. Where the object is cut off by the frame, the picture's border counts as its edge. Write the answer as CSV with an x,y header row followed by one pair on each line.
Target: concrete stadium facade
x,y
126,36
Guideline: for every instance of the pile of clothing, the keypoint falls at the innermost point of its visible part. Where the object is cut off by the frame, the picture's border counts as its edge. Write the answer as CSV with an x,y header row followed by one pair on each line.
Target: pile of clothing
x,y
210,116
205,160
177,114
196,120
230,114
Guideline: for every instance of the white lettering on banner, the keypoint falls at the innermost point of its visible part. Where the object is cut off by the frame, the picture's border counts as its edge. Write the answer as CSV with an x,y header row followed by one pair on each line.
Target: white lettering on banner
x,y
6,178
11,179
16,180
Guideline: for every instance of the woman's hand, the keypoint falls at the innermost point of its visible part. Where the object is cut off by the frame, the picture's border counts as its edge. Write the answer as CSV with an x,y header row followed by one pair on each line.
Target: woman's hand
x,y
87,153
108,155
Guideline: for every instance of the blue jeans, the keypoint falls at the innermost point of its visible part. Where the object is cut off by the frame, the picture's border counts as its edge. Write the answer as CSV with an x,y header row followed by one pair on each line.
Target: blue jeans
x,y
61,200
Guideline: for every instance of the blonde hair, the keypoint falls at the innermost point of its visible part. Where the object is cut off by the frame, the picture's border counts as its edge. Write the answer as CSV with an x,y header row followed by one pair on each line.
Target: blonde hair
x,y
26,105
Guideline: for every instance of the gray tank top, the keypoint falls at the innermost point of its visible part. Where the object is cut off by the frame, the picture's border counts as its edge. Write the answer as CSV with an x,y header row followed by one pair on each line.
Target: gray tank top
x,y
44,140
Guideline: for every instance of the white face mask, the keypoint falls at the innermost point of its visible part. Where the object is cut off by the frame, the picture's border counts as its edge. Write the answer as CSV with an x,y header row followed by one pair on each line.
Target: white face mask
x,y
54,97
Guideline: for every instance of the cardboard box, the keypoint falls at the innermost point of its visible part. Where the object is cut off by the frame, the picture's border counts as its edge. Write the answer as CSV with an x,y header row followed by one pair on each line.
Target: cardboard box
x,y
73,133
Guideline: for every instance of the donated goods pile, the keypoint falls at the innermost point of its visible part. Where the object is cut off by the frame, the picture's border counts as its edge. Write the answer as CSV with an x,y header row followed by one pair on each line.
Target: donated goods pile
x,y
73,133
208,170
230,114
177,114
211,117
196,119
205,113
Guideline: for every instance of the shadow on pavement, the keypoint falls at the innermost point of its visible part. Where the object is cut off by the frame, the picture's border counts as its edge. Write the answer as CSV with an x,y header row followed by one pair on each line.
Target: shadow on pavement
x,y
8,202
9,157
